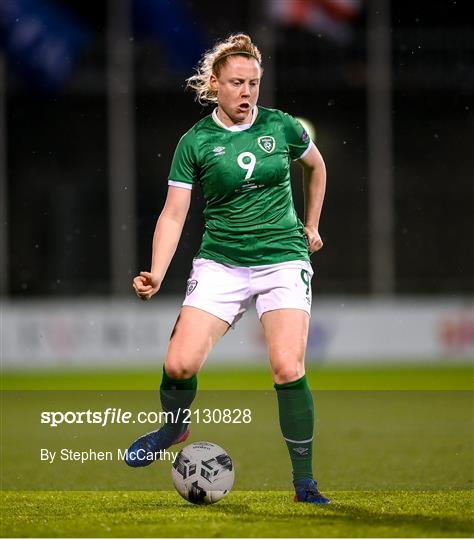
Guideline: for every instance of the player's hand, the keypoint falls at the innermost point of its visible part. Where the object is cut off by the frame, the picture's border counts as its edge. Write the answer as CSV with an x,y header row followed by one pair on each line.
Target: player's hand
x,y
313,239
146,285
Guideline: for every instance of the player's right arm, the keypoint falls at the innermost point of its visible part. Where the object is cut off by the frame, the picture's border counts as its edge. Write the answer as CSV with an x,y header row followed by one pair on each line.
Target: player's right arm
x,y
165,241
170,224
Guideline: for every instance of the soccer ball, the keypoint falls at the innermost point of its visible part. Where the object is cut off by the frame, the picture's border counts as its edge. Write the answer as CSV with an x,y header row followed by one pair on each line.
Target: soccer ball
x,y
203,473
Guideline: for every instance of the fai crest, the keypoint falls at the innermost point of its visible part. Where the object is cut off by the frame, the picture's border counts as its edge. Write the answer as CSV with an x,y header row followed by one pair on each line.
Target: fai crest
x,y
267,143
192,283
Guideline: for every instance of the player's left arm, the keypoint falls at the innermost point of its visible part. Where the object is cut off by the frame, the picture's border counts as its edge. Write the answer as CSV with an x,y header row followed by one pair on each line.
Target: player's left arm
x,y
314,185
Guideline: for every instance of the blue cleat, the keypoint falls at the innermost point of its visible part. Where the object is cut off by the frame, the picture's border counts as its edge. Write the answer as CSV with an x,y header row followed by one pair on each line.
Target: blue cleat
x,y
147,449
306,490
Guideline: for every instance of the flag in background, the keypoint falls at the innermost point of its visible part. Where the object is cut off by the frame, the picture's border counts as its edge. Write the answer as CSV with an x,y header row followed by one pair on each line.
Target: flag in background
x,y
331,18
171,24
42,41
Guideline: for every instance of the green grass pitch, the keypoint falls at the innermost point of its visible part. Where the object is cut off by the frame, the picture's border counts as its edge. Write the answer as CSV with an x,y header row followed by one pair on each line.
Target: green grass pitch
x,y
394,452
241,514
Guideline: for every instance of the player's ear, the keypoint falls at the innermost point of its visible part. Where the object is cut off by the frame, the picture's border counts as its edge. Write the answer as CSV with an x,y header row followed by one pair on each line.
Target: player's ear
x,y
213,82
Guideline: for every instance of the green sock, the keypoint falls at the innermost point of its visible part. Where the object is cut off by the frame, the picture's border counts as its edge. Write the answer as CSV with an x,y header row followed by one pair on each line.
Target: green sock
x,y
176,395
296,410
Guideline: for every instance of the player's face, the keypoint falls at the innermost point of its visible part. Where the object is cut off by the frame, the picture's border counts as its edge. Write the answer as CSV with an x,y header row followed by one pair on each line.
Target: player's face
x,y
237,89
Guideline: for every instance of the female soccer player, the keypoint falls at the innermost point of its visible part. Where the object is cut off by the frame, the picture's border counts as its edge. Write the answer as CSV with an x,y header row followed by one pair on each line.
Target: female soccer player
x,y
254,246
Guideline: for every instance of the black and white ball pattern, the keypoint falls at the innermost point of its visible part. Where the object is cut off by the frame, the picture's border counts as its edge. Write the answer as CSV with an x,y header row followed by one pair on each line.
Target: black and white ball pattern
x,y
203,473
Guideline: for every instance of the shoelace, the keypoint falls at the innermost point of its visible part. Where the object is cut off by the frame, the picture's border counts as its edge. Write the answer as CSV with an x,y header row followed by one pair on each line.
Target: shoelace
x,y
312,490
152,442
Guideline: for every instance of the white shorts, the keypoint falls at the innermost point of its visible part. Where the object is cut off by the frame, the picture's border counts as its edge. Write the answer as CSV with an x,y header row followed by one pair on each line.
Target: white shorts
x,y
226,291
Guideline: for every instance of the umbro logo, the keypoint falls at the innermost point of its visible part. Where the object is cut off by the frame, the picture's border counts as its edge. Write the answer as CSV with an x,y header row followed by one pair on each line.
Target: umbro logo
x,y
301,450
219,150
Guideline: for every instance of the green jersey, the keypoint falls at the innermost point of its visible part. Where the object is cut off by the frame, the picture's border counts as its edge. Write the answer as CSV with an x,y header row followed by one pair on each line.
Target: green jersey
x,y
244,174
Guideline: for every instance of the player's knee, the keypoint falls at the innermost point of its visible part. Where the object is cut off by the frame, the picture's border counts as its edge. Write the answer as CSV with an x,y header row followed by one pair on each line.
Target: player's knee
x,y
179,370
286,374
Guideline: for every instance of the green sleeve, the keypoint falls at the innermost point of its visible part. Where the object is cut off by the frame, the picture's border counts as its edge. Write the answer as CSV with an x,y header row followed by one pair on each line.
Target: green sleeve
x,y
297,138
184,165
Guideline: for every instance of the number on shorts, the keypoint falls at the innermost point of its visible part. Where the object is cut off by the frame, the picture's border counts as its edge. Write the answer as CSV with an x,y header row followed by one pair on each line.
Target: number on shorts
x,y
249,164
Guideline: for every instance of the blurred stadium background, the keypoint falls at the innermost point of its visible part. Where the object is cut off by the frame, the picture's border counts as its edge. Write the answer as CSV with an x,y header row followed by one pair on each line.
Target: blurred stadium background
x,y
92,104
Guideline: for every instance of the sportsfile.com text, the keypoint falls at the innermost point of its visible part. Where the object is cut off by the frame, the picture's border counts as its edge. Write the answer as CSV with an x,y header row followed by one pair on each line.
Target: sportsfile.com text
x,y
113,415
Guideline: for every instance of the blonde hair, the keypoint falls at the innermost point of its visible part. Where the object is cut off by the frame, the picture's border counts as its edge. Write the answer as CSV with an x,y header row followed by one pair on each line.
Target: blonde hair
x,y
213,60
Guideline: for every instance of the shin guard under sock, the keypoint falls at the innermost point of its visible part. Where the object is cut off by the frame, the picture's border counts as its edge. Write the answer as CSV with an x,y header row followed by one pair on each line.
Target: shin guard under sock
x,y
177,395
296,411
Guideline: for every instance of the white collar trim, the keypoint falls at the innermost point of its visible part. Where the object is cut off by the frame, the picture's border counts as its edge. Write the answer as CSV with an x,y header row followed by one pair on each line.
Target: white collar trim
x,y
235,127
